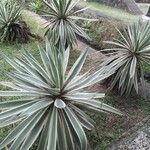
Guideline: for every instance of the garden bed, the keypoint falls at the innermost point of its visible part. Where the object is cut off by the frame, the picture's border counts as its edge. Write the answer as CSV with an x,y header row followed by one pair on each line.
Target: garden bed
x,y
109,127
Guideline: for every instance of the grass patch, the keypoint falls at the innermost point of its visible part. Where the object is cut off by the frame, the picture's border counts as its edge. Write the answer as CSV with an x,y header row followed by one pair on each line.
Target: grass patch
x,y
35,22
111,12
147,67
13,50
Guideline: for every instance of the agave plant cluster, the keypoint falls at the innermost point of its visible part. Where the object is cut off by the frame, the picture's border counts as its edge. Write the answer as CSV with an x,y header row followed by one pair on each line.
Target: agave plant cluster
x,y
131,53
62,25
11,26
49,101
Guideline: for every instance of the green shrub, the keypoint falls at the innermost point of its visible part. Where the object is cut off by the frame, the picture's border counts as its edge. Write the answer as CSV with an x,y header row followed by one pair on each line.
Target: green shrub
x,y
108,32
36,5
102,30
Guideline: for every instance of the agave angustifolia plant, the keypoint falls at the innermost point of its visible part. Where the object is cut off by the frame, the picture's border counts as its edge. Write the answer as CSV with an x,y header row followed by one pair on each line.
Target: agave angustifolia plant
x,y
133,50
49,103
11,27
62,22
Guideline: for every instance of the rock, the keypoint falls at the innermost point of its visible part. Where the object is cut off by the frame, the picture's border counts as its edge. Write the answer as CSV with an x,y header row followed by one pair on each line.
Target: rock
x,y
138,138
144,18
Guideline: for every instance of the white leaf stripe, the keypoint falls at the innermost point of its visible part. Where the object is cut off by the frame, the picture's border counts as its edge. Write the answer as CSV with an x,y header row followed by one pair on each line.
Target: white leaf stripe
x,y
26,130
77,128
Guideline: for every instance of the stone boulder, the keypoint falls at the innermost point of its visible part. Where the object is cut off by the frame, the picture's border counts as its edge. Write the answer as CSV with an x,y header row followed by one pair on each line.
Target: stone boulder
x,y
144,18
138,138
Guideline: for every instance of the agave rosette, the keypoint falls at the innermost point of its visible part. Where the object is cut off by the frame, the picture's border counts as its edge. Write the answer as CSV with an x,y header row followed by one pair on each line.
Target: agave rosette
x,y
11,26
62,25
10,14
49,103
131,53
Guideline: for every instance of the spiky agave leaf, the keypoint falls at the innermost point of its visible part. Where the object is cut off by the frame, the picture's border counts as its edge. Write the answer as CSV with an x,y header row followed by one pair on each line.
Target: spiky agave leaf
x,y
50,102
62,26
133,50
